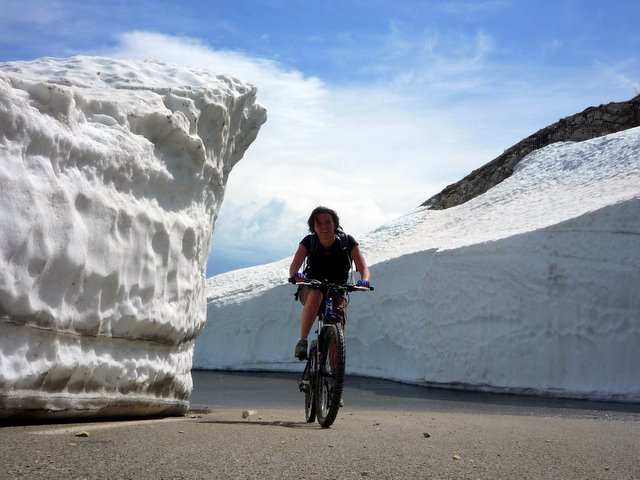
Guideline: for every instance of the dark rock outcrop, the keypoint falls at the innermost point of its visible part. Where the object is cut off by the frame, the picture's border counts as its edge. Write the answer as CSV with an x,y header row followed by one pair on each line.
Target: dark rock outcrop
x,y
591,123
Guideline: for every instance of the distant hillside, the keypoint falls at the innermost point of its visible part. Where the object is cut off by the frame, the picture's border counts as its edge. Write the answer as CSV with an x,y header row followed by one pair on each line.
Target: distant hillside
x,y
590,123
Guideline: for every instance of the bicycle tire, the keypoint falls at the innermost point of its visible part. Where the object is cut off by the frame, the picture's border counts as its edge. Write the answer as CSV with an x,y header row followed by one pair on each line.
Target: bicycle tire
x,y
309,394
330,377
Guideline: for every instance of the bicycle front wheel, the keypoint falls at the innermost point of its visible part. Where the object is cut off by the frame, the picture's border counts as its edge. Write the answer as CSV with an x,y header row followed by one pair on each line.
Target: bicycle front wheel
x,y
331,370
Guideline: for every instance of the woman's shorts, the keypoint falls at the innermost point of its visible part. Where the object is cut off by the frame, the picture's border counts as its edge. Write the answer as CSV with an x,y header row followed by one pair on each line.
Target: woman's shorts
x,y
340,302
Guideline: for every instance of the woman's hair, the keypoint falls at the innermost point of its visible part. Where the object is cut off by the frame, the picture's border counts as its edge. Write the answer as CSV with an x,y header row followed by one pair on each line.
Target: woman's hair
x,y
317,211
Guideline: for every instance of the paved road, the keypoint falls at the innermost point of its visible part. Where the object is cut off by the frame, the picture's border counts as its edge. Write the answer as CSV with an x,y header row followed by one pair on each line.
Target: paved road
x,y
385,431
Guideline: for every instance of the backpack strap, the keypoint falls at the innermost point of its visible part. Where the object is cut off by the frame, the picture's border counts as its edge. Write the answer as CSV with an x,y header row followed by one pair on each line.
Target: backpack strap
x,y
344,244
313,248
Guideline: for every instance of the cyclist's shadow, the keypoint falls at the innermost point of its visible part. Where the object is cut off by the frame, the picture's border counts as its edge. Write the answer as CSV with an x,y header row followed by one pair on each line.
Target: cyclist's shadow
x,y
263,423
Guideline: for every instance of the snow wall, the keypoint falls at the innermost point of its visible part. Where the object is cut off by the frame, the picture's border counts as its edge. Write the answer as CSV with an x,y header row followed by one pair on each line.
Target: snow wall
x,y
533,287
111,176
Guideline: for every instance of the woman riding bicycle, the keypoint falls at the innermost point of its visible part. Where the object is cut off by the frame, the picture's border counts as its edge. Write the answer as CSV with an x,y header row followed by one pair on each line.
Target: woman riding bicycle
x,y
329,253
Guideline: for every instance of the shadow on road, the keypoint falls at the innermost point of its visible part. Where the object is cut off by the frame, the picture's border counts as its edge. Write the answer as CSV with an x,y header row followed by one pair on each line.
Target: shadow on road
x,y
263,423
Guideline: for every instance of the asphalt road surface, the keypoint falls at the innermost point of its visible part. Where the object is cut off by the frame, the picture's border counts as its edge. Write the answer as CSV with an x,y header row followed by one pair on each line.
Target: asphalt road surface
x,y
385,431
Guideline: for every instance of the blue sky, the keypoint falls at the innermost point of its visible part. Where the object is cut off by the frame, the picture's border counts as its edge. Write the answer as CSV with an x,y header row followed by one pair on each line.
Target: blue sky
x,y
373,106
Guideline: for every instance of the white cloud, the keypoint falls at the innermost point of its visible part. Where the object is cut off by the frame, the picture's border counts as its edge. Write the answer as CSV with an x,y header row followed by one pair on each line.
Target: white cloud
x,y
371,151
356,150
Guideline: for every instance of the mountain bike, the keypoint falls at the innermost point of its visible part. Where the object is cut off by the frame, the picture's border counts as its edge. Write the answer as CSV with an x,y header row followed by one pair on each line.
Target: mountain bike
x,y
322,380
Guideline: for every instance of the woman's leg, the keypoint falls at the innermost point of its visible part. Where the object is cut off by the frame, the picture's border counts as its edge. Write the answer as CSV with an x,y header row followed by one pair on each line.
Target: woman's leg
x,y
311,304
311,300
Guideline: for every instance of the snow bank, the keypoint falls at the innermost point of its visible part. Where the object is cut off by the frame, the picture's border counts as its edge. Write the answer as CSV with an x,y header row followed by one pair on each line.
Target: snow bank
x,y
112,175
533,287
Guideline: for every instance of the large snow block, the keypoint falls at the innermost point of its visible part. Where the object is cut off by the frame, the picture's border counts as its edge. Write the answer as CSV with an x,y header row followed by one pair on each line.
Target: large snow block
x,y
111,177
548,312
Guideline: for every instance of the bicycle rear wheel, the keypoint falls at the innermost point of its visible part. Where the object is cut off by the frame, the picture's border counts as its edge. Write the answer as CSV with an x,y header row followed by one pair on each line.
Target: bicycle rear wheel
x,y
309,393
331,370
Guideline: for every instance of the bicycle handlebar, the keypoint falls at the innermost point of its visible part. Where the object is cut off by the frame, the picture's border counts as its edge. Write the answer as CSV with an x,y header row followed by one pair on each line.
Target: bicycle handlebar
x,y
349,287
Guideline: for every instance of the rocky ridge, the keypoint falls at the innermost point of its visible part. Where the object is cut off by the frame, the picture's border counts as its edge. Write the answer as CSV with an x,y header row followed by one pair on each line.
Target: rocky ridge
x,y
590,123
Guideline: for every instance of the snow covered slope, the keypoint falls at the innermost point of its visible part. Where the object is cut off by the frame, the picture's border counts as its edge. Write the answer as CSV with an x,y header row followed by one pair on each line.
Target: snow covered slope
x,y
532,287
111,176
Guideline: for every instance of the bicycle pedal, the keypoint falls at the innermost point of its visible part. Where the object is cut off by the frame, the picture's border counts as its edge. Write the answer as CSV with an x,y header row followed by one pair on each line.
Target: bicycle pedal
x,y
303,385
